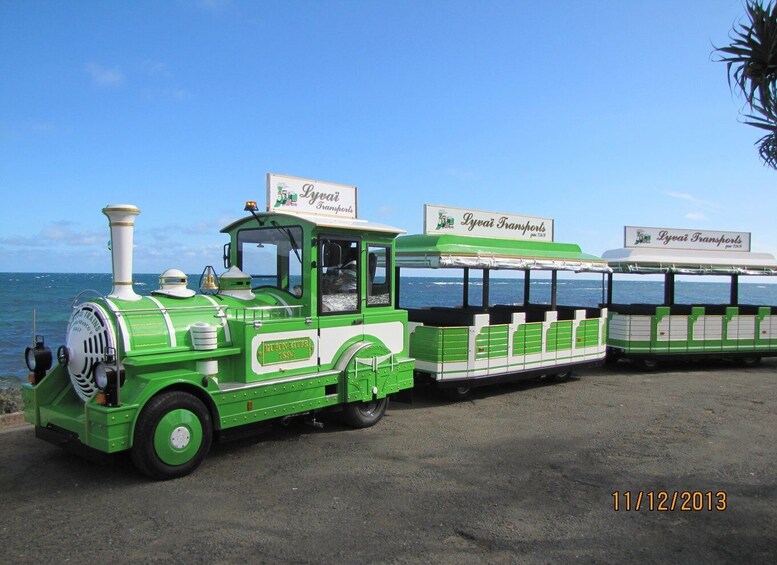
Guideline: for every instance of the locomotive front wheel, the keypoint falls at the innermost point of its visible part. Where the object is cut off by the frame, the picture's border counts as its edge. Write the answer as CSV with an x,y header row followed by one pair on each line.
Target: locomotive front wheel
x,y
172,436
365,414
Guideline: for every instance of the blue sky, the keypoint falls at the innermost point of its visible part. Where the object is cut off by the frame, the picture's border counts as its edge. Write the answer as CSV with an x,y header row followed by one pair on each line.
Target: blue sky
x,y
595,113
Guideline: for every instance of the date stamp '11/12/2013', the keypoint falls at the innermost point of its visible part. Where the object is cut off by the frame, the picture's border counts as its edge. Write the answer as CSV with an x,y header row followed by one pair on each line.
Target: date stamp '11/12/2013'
x,y
669,501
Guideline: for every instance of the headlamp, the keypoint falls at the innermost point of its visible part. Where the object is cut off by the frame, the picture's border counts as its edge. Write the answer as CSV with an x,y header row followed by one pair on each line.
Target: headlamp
x,y
103,375
38,358
63,356
109,378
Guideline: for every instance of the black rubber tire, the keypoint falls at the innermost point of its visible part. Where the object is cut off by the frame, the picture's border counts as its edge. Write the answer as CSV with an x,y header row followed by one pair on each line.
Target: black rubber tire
x,y
560,377
646,365
457,393
364,414
749,361
611,357
144,452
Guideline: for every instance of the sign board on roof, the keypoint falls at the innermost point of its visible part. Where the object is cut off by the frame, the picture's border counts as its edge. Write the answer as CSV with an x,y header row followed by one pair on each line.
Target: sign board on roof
x,y
305,196
463,221
696,240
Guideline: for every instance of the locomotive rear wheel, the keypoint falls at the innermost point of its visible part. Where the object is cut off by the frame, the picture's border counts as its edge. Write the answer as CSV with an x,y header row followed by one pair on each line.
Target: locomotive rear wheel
x,y
365,414
172,437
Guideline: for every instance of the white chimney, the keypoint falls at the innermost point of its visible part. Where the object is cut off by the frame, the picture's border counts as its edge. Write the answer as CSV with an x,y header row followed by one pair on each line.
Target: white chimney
x,y
121,218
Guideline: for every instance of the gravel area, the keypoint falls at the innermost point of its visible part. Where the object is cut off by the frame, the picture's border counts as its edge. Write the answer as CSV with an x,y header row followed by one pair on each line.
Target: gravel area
x,y
522,473
10,400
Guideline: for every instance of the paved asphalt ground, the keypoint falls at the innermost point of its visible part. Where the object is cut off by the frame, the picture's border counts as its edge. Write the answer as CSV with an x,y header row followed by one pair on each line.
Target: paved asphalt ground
x,y
521,473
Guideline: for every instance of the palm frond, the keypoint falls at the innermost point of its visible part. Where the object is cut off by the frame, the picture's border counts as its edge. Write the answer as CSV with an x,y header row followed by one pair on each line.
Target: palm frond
x,y
767,149
751,65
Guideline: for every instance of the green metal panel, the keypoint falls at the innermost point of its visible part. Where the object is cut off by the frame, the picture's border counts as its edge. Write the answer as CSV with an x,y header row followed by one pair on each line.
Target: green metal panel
x,y
440,345
109,429
497,341
528,339
261,403
587,333
491,342
559,336
455,344
426,344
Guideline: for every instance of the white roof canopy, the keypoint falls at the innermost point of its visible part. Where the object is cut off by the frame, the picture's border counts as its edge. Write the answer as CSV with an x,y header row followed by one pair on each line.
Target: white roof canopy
x,y
652,260
323,221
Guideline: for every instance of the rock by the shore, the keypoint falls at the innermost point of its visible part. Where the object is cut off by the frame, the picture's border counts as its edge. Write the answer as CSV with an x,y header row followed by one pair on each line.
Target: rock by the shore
x,y
11,400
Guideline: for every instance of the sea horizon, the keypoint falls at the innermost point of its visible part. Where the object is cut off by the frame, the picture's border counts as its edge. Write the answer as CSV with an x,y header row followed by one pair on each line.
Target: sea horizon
x,y
51,295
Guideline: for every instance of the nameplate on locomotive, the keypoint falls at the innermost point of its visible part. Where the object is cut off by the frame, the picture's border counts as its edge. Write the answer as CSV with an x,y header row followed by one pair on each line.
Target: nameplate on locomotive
x,y
284,351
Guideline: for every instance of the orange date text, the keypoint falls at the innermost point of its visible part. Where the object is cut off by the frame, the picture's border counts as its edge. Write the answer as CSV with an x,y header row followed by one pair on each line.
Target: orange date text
x,y
669,500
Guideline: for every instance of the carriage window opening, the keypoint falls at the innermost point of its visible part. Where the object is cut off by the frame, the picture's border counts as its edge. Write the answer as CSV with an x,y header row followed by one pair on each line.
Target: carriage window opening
x,y
378,280
339,261
272,258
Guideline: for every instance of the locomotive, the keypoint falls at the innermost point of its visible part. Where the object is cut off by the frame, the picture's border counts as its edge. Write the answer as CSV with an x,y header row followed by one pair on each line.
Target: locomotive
x,y
302,320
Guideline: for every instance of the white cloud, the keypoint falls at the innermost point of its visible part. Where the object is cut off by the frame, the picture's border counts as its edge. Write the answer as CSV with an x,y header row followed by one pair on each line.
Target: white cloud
x,y
58,234
155,68
693,200
173,93
61,232
104,77
386,210
461,175
699,216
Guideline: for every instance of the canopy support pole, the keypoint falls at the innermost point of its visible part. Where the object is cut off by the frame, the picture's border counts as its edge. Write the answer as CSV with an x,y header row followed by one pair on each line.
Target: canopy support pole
x,y
553,289
396,285
465,299
609,289
669,289
734,290
526,287
486,276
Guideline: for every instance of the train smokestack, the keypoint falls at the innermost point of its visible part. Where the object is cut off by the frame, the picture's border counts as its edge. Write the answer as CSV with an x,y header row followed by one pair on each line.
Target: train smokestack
x,y
121,218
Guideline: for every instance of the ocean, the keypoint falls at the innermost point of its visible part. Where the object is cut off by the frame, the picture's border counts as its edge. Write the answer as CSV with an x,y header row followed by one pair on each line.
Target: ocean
x,y
51,296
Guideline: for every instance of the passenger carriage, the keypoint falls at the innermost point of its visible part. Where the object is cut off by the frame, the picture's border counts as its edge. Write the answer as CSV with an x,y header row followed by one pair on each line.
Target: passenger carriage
x,y
471,345
649,333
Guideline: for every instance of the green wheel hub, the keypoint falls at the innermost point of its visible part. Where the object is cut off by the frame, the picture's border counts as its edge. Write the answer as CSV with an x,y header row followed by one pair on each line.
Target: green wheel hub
x,y
178,436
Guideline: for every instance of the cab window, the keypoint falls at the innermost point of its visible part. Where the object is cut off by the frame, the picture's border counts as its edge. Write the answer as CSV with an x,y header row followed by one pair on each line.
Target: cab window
x,y
272,257
339,261
378,275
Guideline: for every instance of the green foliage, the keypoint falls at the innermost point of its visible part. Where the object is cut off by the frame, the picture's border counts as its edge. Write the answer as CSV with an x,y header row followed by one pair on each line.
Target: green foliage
x,y
751,61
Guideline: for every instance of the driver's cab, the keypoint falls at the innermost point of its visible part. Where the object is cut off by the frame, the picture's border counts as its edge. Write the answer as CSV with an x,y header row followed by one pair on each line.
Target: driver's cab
x,y
329,276
311,265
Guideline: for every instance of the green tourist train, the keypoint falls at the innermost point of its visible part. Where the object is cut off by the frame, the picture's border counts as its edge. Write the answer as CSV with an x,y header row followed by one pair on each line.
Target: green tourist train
x,y
306,317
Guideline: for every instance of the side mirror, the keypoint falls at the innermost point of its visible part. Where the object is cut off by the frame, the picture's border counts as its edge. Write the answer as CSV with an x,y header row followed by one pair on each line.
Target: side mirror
x,y
227,251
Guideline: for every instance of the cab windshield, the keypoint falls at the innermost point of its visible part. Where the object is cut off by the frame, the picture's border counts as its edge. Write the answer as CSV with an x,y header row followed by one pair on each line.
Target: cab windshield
x,y
272,257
